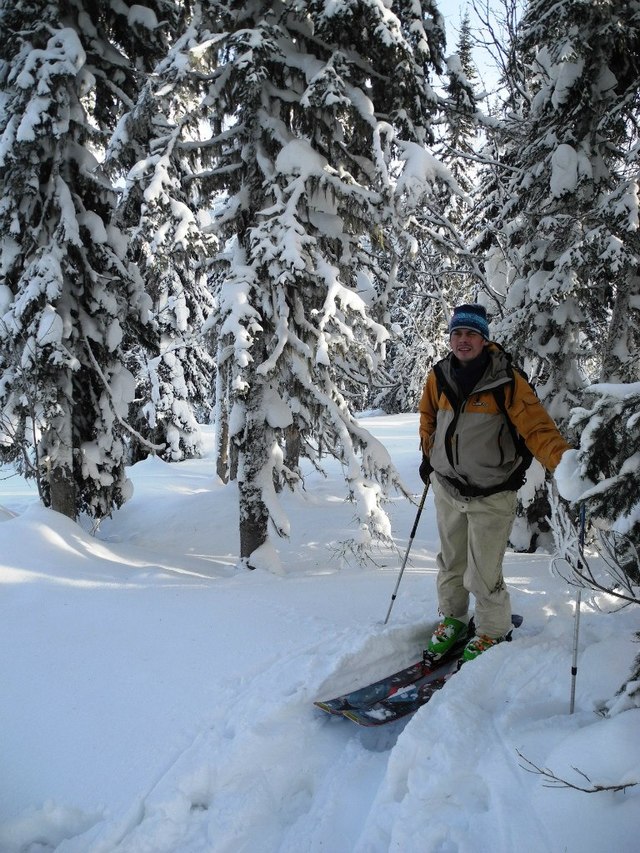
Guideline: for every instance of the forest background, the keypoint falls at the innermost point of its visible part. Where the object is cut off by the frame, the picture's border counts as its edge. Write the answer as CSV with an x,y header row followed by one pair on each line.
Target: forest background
x,y
258,215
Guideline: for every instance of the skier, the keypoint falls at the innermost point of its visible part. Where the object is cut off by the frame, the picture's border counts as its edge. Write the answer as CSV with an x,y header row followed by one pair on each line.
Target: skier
x,y
480,423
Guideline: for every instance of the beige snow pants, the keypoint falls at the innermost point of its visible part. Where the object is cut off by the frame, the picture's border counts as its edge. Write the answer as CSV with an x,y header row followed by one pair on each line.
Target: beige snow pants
x,y
474,533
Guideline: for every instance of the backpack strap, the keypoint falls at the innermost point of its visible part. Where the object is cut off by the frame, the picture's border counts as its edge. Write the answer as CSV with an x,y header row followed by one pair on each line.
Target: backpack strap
x,y
499,395
443,387
518,478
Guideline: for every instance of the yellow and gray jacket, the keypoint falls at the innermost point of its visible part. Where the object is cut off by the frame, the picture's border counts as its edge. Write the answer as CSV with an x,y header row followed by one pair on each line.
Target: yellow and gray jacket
x,y
469,441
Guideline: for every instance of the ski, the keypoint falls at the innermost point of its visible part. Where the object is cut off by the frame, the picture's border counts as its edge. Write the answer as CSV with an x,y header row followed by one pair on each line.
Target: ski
x,y
363,697
421,673
408,698
406,701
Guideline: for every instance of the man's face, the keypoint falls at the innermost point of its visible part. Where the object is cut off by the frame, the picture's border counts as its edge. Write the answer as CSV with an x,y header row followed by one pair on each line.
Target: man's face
x,y
466,344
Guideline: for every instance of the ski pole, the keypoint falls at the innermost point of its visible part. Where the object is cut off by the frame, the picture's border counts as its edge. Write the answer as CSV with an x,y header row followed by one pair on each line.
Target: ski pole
x,y
406,556
576,627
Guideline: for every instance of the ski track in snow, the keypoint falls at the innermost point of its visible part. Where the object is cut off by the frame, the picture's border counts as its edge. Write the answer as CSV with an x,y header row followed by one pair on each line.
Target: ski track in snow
x,y
288,806
246,784
292,805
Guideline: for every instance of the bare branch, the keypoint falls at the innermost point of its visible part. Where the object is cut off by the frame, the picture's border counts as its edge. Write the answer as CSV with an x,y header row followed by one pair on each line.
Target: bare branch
x,y
555,781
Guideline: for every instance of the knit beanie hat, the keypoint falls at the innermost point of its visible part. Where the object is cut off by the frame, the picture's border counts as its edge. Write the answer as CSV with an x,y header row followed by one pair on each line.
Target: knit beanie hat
x,y
472,317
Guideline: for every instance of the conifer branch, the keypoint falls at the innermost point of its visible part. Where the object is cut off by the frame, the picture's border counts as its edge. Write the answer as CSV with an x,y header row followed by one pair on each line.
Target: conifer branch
x,y
154,448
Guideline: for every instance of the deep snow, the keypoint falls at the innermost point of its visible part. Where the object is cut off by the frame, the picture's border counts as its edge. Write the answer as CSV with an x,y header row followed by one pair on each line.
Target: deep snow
x,y
156,699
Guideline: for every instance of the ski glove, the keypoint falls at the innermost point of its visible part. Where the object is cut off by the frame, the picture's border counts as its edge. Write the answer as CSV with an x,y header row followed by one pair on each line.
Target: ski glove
x,y
425,469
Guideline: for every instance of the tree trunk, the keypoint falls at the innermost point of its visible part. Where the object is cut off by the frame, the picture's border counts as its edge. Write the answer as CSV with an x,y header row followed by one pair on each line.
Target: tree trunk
x,y
222,419
257,438
63,491
233,463
292,447
254,518
222,443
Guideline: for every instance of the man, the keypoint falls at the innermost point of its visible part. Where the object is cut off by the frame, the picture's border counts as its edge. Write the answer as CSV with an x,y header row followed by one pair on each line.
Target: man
x,y
473,408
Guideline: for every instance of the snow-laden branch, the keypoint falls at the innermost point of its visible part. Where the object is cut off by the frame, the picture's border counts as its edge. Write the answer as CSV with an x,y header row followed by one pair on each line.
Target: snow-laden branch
x,y
154,448
362,475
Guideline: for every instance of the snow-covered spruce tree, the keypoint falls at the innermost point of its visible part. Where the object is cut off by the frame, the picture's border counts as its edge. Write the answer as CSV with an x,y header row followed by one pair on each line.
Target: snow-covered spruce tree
x,y
503,122
608,492
161,209
574,224
309,104
442,270
609,429
420,314
150,155
502,119
439,272
461,131
569,223
67,298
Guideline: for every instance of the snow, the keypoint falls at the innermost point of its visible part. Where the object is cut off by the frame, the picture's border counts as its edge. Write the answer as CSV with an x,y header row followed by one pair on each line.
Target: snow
x,y
564,170
297,157
94,224
572,483
421,172
157,698
50,327
142,15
